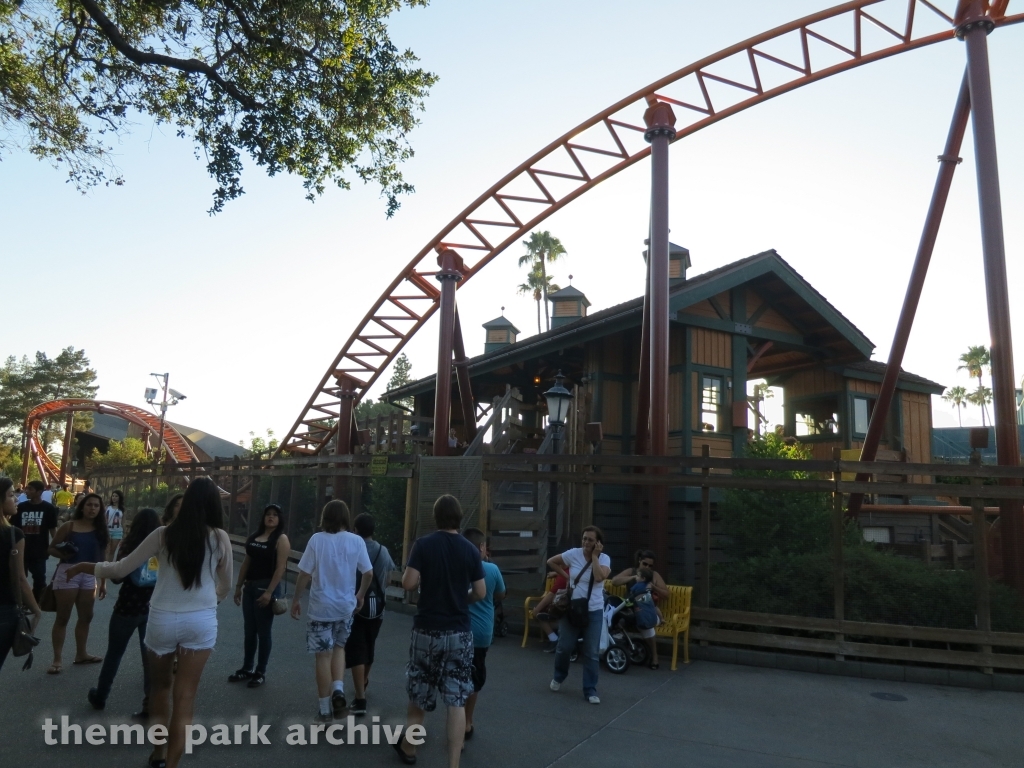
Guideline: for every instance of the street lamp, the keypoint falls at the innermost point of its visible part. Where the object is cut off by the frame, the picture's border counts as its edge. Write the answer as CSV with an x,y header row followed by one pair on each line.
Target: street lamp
x,y
558,398
151,396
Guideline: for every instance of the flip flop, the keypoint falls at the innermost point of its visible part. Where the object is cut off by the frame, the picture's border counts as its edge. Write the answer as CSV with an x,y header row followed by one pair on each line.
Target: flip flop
x,y
89,660
54,669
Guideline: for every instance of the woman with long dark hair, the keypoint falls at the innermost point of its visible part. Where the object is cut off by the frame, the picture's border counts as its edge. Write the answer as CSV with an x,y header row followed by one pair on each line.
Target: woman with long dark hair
x,y
115,522
13,582
629,578
260,582
81,539
194,558
131,612
171,509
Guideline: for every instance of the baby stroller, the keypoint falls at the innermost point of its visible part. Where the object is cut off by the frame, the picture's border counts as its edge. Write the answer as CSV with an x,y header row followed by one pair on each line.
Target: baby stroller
x,y
623,648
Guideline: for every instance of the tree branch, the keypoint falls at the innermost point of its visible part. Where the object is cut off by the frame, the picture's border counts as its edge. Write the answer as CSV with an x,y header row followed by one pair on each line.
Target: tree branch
x,y
194,66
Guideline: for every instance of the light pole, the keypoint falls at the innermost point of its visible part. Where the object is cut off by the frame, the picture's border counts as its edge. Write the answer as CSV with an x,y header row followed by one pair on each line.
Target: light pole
x,y
558,398
175,398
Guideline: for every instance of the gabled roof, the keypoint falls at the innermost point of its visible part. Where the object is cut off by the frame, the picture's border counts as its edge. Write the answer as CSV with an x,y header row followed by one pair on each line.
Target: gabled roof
x,y
500,323
569,292
874,370
767,272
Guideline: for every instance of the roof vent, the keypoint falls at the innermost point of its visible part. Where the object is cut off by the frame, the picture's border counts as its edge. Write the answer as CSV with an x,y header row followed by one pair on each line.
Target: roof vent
x,y
500,333
567,305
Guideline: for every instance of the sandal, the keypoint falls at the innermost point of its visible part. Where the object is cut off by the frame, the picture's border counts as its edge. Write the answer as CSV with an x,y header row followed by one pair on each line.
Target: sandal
x,y
405,756
54,669
469,733
88,660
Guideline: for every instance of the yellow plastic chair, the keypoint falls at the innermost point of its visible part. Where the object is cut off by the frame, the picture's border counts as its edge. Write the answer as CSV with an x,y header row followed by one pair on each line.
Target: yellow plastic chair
x,y
548,582
676,611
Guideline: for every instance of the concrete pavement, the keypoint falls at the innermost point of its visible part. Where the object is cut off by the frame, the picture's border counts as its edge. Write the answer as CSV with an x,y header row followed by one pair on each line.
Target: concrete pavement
x,y
705,714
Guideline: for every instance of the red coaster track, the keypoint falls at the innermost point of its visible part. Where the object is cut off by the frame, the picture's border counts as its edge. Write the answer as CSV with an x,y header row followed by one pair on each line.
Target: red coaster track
x,y
177,447
775,62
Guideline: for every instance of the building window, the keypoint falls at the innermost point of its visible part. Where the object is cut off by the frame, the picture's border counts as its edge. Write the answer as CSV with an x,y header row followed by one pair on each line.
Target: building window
x,y
861,415
878,535
817,418
711,404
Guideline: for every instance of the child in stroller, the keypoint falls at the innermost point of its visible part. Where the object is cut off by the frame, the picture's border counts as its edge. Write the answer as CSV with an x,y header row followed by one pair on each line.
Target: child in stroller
x,y
646,615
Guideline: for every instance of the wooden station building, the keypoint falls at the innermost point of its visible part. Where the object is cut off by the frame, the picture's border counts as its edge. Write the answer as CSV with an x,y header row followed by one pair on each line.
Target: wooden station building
x,y
753,319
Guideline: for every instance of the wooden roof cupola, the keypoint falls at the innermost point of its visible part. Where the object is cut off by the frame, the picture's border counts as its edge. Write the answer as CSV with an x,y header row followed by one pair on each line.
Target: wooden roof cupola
x,y
678,263
500,333
567,305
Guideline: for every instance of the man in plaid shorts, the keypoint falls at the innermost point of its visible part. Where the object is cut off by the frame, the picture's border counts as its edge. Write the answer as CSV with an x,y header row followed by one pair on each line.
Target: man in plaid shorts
x,y
449,573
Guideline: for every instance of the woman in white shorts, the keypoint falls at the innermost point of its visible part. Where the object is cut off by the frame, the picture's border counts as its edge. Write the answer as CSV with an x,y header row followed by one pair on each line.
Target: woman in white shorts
x,y
195,567
115,522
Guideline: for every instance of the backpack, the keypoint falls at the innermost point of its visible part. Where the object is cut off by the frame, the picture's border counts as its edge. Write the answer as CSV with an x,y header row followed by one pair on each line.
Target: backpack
x,y
373,601
145,575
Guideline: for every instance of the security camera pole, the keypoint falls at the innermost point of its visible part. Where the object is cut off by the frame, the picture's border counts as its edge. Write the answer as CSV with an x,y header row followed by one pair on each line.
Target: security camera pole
x,y
165,378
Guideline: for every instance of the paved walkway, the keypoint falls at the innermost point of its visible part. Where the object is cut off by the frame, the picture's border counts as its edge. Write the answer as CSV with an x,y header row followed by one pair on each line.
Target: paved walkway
x,y
704,715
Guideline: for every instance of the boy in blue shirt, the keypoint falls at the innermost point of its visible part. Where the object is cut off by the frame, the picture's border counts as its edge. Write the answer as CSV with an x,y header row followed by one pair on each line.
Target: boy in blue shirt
x,y
481,616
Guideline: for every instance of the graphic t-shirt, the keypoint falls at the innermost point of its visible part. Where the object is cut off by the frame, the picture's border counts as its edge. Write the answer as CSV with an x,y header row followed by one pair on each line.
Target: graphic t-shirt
x,y
35,521
333,559
481,613
448,566
115,522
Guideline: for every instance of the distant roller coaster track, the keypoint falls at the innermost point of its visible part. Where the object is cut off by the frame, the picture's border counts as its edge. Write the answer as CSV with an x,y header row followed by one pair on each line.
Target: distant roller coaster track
x,y
178,449
773,63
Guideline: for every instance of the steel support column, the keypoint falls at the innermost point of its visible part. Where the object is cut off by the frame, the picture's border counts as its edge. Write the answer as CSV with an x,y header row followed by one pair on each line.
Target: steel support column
x,y
949,159
465,385
660,122
343,446
973,28
643,393
449,277
65,457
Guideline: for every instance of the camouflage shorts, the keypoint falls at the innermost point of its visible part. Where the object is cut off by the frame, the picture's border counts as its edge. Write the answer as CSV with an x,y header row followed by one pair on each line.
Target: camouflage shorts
x,y
325,636
439,662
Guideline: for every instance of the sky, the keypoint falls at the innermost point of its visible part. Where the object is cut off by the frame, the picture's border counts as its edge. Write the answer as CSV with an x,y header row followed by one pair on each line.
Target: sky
x,y
247,309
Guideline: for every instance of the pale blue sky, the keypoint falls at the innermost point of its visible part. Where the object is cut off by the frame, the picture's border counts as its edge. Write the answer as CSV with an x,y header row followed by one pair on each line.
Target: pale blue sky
x,y
248,308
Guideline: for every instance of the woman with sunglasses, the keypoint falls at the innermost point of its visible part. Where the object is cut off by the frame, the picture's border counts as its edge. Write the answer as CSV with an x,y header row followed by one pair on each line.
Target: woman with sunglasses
x,y
260,582
659,590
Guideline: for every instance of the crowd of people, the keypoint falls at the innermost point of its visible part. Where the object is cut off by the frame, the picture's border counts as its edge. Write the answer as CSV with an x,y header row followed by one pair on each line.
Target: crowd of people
x,y
174,569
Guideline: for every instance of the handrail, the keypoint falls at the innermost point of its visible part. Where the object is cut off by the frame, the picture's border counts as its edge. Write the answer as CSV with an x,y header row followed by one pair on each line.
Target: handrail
x,y
475,448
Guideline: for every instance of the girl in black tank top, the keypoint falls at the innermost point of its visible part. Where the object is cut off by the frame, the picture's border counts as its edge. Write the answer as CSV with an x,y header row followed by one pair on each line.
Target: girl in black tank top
x,y
260,582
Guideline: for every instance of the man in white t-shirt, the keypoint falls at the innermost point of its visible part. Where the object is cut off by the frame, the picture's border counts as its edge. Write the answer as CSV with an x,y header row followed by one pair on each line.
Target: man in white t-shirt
x,y
585,569
330,562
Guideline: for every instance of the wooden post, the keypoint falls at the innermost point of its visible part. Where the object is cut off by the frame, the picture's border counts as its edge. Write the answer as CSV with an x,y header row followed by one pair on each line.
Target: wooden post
x,y
233,498
838,574
293,503
275,489
485,502
983,615
705,533
251,515
410,511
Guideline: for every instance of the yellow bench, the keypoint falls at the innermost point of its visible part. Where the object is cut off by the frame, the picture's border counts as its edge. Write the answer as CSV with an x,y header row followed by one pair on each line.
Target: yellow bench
x,y
676,612
677,617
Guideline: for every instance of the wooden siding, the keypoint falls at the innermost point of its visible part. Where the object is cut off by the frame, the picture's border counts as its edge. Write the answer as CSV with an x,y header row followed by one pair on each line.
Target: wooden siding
x,y
705,309
771,319
917,429
813,382
712,348
863,387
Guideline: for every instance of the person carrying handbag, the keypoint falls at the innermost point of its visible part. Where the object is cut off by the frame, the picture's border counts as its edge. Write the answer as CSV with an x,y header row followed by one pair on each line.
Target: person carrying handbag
x,y
17,603
585,569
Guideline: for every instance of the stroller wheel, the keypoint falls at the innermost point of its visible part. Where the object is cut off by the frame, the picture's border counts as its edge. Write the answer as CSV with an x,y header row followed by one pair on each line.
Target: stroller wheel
x,y
616,659
639,653
502,630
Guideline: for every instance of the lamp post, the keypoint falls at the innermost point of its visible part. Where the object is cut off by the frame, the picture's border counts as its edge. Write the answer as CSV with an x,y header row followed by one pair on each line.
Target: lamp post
x,y
558,399
175,398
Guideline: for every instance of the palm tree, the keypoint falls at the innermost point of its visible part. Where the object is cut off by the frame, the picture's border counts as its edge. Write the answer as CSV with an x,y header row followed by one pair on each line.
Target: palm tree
x,y
974,361
957,396
541,248
980,397
537,285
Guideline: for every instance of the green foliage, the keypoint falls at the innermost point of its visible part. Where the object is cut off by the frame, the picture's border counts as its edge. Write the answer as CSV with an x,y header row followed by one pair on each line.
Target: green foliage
x,y
401,374
313,88
27,382
130,452
788,522
386,502
258,445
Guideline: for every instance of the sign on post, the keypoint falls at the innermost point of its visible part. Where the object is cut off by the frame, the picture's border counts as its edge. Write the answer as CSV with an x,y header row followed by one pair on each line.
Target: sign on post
x,y
378,465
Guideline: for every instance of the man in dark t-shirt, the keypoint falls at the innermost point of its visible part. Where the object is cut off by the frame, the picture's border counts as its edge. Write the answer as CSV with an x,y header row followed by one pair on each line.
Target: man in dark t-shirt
x,y
37,519
450,575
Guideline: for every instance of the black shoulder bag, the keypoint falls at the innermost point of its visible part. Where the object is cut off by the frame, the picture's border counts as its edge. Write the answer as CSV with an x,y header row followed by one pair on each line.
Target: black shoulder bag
x,y
24,641
579,607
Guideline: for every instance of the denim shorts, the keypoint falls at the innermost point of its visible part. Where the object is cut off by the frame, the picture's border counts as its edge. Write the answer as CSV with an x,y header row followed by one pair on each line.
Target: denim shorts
x,y
191,630
439,662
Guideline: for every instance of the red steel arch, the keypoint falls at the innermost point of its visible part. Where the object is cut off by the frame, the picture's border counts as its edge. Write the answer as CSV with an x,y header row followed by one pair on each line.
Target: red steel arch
x,y
177,447
607,143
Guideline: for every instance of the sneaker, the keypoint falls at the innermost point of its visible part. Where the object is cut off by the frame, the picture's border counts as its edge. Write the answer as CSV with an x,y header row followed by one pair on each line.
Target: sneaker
x,y
339,705
95,700
555,685
551,647
239,676
257,680
594,699
320,717
358,707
